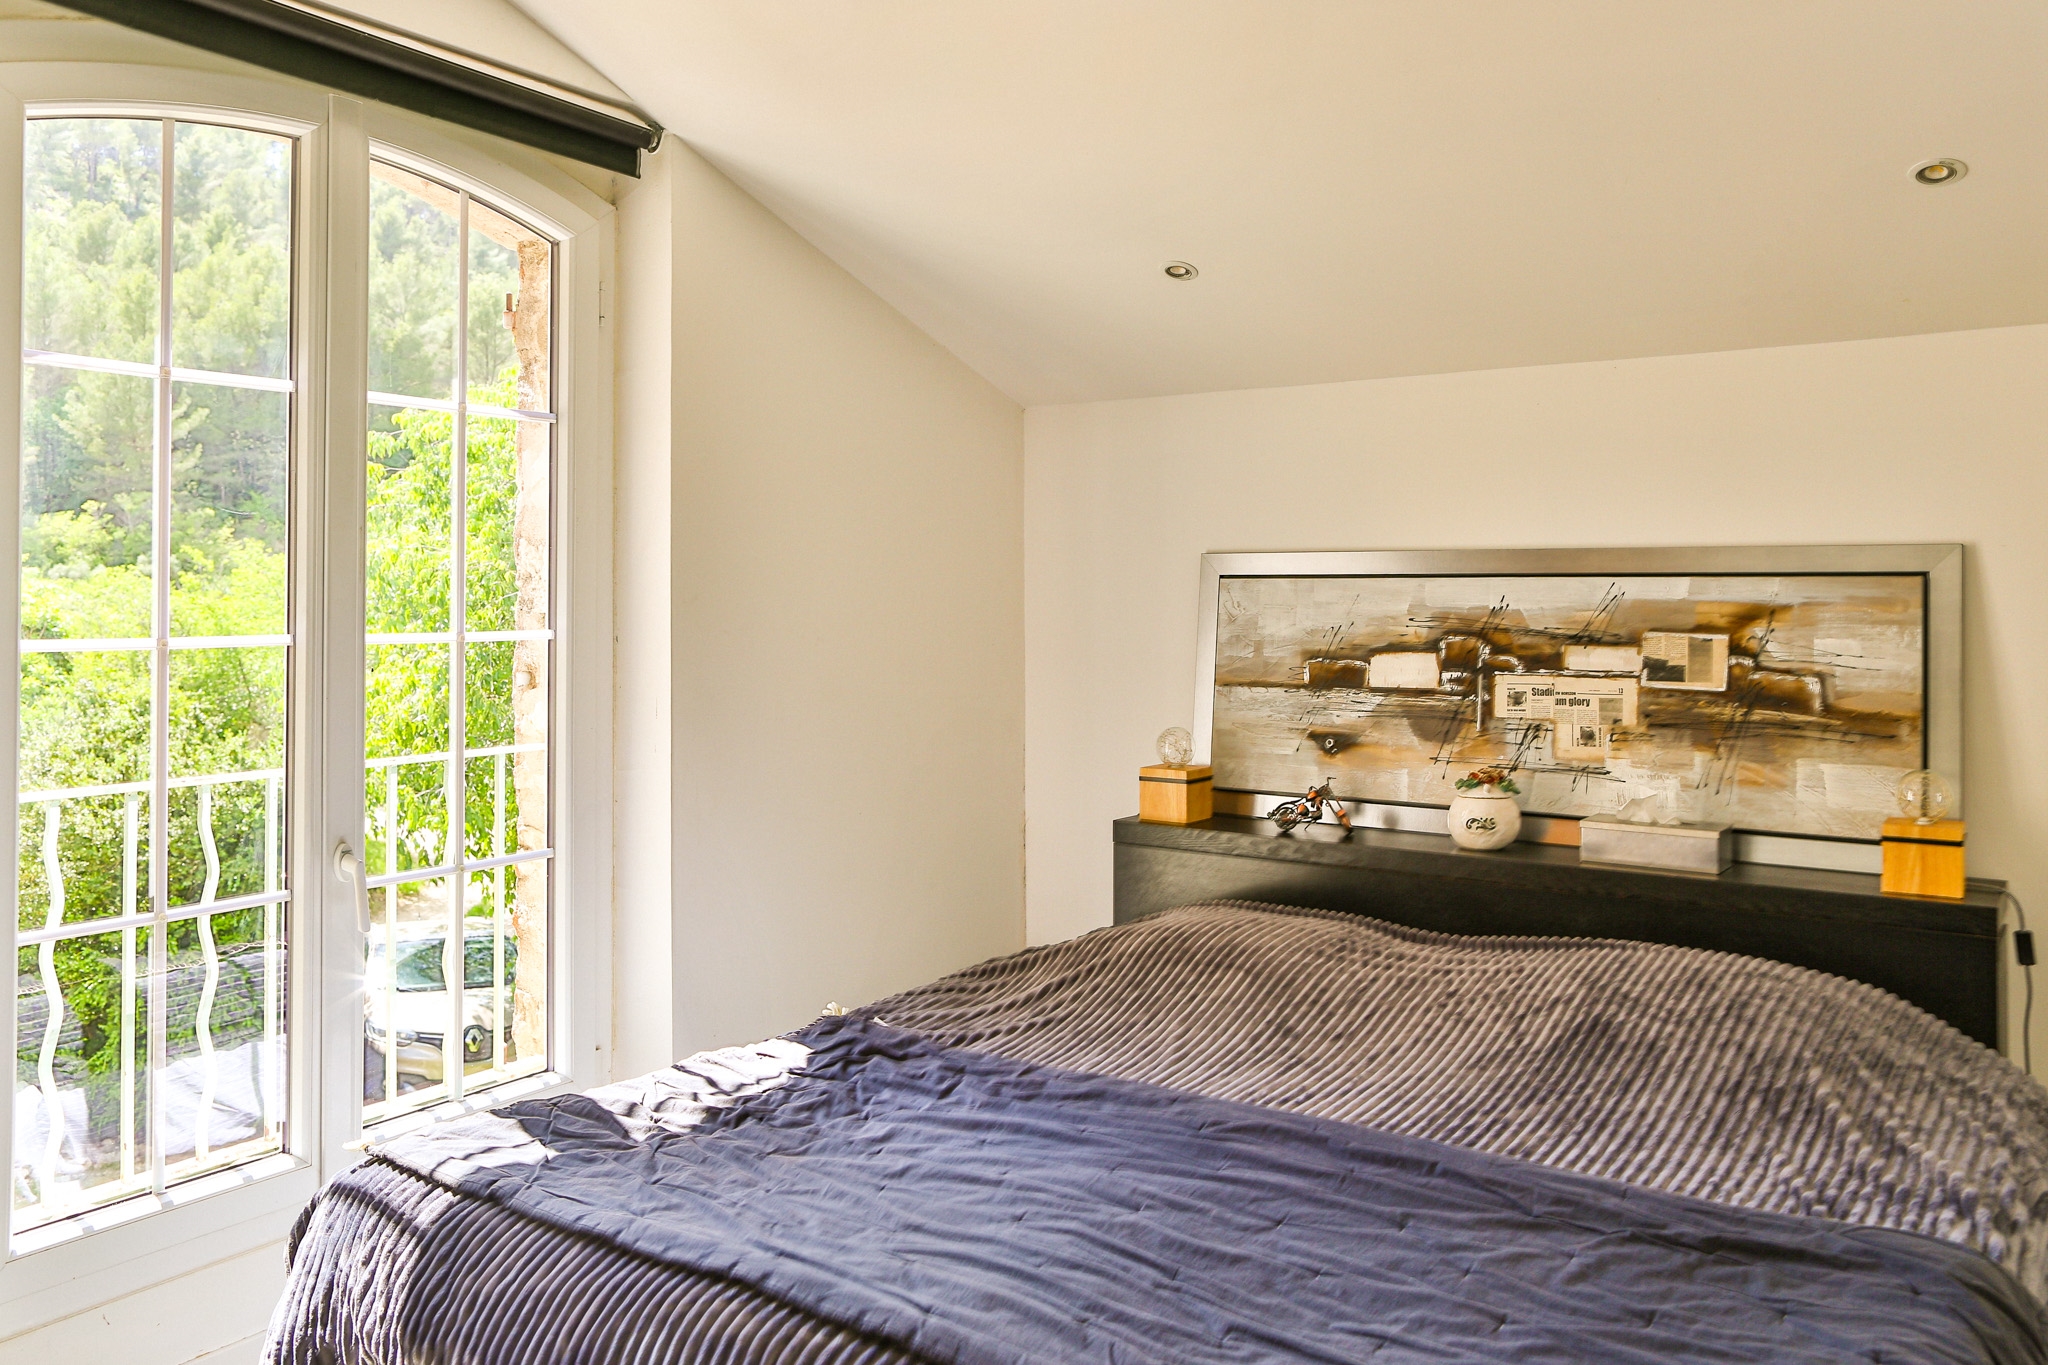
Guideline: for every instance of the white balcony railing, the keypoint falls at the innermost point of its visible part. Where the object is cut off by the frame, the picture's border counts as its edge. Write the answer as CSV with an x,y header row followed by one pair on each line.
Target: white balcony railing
x,y
184,1100
175,1100
457,867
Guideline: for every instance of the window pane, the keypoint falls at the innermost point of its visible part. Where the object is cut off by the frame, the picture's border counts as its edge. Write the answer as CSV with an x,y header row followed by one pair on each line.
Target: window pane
x,y
405,724
506,688
408,520
222,1089
406,805
419,966
507,551
227,711
410,1025
406,1008
487,683
86,542
84,718
85,856
491,954
227,756
231,209
495,936
93,235
228,508
221,1092
526,919
506,683
415,265
482,963
511,285
506,802
89,1079
102,822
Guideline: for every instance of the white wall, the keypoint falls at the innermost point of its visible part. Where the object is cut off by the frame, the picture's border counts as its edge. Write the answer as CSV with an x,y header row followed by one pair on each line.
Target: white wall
x,y
841,551
643,712
1927,438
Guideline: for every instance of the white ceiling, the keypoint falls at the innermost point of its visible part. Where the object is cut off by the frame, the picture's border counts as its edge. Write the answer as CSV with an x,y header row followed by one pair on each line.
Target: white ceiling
x,y
1369,187
490,28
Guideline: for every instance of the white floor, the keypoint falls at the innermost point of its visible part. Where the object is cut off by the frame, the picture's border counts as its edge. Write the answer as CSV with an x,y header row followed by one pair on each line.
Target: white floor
x,y
243,1352
215,1315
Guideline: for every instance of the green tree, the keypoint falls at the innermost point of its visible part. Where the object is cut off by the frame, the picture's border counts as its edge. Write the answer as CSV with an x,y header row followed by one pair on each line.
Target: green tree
x,y
406,686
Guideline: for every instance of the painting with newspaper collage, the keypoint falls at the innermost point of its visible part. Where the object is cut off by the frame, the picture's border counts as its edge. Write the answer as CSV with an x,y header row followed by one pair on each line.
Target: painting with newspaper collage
x,y
1780,703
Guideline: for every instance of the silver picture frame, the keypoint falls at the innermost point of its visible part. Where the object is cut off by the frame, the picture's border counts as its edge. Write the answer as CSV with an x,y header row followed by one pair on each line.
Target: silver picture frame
x,y
1939,565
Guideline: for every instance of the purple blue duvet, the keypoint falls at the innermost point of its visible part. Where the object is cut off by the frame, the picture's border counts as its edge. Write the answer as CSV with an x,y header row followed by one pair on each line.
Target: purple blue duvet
x,y
985,1211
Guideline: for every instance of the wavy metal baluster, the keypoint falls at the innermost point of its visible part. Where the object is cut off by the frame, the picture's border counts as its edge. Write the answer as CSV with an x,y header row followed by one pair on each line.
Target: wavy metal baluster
x,y
390,982
454,951
161,461
53,1002
498,913
272,1064
128,841
202,1121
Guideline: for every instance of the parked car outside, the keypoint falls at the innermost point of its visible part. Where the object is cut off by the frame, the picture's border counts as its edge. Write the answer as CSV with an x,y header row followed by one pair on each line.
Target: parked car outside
x,y
419,1007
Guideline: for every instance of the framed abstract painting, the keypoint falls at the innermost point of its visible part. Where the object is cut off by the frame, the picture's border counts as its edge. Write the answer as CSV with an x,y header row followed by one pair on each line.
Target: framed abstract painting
x,y
1782,690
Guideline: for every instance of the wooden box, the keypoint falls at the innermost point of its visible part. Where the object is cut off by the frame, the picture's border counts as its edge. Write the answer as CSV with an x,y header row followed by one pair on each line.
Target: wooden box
x,y
1176,795
1923,860
1677,848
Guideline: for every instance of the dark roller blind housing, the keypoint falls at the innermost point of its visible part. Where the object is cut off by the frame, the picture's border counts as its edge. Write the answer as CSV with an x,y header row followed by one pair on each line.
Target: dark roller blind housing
x,y
334,50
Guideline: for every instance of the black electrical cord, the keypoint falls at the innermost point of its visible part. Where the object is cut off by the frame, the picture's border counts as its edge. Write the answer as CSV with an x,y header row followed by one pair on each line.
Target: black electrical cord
x,y
2023,949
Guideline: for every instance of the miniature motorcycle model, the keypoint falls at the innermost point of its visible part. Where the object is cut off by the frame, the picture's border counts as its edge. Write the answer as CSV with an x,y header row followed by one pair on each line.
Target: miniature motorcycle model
x,y
1308,809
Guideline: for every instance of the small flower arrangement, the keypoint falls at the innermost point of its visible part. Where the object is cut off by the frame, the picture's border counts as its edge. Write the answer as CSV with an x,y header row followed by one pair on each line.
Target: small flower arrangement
x,y
1494,779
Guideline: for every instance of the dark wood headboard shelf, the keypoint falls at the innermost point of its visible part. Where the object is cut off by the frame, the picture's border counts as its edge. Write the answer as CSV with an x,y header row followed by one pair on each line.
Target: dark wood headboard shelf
x,y
1942,955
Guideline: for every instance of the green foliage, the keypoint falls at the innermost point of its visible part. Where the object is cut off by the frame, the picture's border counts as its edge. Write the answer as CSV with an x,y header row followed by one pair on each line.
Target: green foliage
x,y
231,245
413,265
93,236
406,686
414,257
493,274
92,249
85,721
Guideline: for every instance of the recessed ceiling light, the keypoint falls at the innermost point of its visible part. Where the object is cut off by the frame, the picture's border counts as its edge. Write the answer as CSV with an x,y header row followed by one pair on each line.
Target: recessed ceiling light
x,y
1940,172
1180,270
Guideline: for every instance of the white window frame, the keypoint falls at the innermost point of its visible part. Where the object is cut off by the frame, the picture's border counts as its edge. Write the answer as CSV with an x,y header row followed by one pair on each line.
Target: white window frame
x,y
79,1263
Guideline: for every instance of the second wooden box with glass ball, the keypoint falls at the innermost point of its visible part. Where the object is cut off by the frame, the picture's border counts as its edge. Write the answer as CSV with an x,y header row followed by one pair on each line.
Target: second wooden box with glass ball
x,y
1175,791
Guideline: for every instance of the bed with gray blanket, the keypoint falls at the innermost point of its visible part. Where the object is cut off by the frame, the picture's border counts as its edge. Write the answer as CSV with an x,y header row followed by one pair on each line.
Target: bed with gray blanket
x,y
1235,1133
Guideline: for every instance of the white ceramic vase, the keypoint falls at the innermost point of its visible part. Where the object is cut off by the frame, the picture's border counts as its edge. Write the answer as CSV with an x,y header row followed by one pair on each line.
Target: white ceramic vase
x,y
1484,819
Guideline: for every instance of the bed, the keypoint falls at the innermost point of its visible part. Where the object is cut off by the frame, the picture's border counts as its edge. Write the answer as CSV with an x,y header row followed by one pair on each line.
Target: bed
x,y
1227,1132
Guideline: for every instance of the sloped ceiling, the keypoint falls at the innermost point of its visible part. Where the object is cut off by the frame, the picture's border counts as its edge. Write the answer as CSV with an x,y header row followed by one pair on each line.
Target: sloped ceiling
x,y
1369,187
488,28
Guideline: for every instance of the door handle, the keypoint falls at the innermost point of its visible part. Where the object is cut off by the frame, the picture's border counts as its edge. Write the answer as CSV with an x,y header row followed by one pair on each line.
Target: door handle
x,y
349,868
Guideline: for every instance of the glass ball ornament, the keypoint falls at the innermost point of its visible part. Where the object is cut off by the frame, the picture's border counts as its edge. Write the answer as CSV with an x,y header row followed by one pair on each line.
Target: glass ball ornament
x,y
1176,747
1926,796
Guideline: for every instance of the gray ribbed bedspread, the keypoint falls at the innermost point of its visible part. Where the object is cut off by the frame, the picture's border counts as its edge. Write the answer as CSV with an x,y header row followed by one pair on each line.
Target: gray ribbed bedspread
x,y
1720,1077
